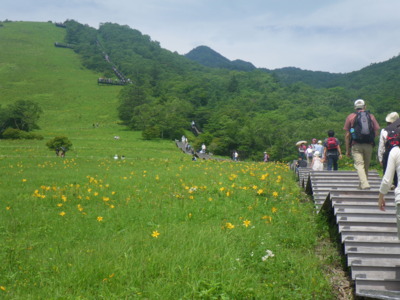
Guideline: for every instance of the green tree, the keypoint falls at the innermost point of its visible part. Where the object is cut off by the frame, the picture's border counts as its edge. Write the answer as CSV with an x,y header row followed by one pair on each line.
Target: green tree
x,y
58,142
22,115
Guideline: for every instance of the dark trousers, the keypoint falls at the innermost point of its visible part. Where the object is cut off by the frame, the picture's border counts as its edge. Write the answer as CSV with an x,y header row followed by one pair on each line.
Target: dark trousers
x,y
333,162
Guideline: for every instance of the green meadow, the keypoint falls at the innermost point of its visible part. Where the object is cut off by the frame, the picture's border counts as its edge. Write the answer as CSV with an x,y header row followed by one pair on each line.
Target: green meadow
x,y
154,225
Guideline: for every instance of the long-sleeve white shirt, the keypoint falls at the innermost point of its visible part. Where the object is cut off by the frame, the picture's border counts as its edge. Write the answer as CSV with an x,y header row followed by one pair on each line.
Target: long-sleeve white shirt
x,y
382,142
393,165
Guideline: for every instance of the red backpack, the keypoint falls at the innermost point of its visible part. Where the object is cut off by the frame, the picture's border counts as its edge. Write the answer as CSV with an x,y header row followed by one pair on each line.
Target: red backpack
x,y
331,143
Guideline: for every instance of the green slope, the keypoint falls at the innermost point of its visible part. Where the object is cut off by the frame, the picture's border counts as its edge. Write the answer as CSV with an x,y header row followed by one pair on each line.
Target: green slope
x,y
32,68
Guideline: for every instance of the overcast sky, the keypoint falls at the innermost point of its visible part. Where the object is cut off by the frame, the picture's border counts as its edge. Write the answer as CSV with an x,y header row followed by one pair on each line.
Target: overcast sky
x,y
319,35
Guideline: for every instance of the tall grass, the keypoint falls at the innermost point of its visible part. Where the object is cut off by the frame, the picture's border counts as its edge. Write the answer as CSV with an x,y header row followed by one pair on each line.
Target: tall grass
x,y
155,225
156,228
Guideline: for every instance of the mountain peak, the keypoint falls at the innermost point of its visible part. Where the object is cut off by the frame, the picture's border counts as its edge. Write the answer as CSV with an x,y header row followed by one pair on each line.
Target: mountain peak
x,y
208,57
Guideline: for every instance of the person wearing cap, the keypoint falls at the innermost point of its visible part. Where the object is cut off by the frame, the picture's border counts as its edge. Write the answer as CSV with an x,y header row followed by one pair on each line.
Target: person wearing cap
x,y
361,152
320,148
382,153
390,118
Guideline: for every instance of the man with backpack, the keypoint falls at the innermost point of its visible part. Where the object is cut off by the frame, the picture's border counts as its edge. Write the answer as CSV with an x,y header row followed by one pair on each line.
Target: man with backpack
x,y
361,128
332,151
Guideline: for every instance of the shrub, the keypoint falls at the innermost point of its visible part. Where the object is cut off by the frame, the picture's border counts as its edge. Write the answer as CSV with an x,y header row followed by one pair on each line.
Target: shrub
x,y
13,134
151,132
58,142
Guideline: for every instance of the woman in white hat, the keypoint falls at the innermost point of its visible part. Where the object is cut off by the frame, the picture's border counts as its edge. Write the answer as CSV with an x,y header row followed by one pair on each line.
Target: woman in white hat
x,y
382,155
317,163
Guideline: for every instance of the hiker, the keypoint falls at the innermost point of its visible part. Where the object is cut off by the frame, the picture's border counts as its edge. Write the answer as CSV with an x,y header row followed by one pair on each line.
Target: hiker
x,y
387,140
332,151
313,144
301,163
320,148
57,151
393,165
361,128
235,156
382,153
63,150
302,150
203,148
309,154
266,157
317,164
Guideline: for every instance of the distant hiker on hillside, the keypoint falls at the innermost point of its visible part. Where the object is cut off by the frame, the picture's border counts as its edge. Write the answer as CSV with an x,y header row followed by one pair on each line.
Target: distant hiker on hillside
x,y
266,157
63,150
361,128
387,140
332,151
203,148
235,156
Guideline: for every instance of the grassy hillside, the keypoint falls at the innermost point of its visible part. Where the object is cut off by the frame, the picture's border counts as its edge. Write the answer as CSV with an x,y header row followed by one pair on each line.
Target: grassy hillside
x,y
153,226
33,69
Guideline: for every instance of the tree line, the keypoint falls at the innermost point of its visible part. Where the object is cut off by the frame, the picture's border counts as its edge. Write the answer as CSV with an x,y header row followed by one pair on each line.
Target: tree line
x,y
248,111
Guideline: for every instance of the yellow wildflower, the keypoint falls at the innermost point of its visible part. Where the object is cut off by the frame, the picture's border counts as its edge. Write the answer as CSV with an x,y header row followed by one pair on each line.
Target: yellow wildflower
x,y
274,210
275,194
62,214
99,219
229,225
155,234
246,223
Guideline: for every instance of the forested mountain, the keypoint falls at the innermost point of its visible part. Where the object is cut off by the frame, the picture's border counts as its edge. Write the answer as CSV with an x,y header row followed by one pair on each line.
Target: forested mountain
x,y
210,58
250,111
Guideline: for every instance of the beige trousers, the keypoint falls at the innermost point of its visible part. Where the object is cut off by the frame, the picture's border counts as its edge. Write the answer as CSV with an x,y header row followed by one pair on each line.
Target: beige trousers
x,y
362,157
